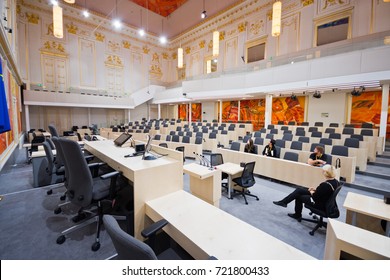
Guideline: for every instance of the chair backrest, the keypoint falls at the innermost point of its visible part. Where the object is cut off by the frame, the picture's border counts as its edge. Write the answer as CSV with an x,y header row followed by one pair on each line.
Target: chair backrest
x,y
333,125
269,136
367,125
314,145
277,151
165,145
235,146
48,140
317,134
224,132
340,150
280,143
330,130
189,133
178,128
349,125
172,132
205,130
296,145
357,136
305,123
313,128
257,134
304,139
326,141
284,128
351,142
259,141
157,137
291,156
318,124
246,138
127,247
168,138
331,208
287,137
199,134
274,131
36,141
348,130
216,159
292,123
49,157
59,154
334,135
78,176
212,135
300,132
185,139
198,140
53,131
270,126
175,138
263,130
367,132
247,177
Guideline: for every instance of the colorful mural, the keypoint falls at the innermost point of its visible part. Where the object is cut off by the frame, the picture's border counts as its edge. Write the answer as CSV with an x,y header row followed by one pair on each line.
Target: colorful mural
x,y
229,111
196,112
254,111
287,109
182,111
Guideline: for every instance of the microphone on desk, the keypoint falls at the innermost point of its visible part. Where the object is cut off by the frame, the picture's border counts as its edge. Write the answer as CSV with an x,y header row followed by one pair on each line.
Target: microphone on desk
x,y
199,157
209,165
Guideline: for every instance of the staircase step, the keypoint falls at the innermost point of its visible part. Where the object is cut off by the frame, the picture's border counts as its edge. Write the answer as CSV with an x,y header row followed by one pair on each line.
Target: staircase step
x,y
387,165
375,175
371,189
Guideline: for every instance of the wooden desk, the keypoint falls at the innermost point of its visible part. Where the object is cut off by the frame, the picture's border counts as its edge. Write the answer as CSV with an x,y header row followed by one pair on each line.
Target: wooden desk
x,y
297,173
189,148
367,212
232,169
151,178
203,231
204,183
341,237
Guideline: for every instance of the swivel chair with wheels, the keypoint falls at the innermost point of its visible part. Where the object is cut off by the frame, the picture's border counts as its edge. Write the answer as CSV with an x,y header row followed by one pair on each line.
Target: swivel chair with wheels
x,y
246,181
82,190
331,211
129,248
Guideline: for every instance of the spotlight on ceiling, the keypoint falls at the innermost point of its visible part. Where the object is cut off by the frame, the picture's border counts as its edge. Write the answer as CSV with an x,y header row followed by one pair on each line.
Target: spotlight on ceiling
x,y
358,92
203,14
293,97
317,94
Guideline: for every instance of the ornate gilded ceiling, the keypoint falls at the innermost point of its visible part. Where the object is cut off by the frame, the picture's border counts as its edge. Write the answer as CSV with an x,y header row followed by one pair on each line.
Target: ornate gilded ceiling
x,y
161,7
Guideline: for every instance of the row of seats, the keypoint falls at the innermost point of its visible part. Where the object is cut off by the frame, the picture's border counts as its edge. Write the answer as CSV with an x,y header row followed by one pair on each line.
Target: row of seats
x,y
321,124
315,133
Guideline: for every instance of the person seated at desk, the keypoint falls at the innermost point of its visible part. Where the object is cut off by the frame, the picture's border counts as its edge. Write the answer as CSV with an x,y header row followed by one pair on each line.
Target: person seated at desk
x,y
249,147
270,150
318,158
315,196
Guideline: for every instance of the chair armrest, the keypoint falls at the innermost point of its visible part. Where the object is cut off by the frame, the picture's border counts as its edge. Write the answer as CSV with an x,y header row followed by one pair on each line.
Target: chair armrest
x,y
109,175
89,157
152,229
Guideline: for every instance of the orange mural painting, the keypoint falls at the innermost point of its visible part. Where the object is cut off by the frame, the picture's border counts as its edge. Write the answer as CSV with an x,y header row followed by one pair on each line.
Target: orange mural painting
x,y
366,108
230,111
254,111
182,111
287,109
196,112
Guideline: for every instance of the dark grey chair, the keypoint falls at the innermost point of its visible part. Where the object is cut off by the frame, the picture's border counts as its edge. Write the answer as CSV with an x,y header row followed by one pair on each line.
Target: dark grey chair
x,y
172,133
189,133
257,134
280,143
305,124
284,128
330,130
358,136
168,138
287,137
157,137
291,156
212,135
313,145
317,134
366,132
304,139
246,138
259,141
318,124
351,142
291,123
224,132
53,131
82,190
198,140
164,145
296,145
338,150
326,141
333,125
348,130
334,136
348,125
175,138
130,248
185,139
270,126
273,131
280,122
269,136
263,130
235,146
180,133
367,125
313,128
300,133
246,181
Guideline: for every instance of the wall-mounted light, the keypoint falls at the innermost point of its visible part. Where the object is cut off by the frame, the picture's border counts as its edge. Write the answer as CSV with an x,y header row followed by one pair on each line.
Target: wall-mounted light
x,y
180,57
58,30
215,43
70,1
317,94
204,13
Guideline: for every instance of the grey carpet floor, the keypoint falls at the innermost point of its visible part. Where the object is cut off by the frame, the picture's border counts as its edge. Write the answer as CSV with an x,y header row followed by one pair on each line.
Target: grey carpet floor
x,y
29,228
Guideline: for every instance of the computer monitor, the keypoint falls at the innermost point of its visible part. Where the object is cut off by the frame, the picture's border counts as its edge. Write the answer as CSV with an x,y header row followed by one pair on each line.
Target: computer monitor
x,y
147,149
122,139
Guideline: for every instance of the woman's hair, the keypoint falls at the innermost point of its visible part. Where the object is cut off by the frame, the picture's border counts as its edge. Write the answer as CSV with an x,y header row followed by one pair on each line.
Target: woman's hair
x,y
329,171
250,142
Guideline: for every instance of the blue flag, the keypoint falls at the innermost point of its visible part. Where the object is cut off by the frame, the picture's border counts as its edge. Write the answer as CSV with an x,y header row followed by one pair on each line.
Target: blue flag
x,y
4,117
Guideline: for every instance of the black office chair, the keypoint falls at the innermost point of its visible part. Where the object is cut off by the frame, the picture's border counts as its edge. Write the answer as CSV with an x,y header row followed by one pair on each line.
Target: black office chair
x,y
35,143
181,149
305,123
53,131
165,145
331,211
270,126
185,139
351,142
246,181
175,138
157,137
338,150
217,159
198,140
82,190
129,248
291,123
235,146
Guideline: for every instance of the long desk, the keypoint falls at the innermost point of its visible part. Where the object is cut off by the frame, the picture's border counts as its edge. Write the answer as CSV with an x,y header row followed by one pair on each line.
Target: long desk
x,y
297,173
360,243
367,212
204,183
204,230
151,178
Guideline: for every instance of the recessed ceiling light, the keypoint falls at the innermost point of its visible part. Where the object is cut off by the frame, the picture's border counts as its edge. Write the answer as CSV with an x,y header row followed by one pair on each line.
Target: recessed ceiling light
x,y
141,32
117,23
85,13
163,40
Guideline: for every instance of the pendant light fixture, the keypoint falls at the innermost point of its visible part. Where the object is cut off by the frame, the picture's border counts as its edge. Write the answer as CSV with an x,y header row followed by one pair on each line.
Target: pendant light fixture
x,y
85,12
180,57
216,43
276,18
58,30
70,1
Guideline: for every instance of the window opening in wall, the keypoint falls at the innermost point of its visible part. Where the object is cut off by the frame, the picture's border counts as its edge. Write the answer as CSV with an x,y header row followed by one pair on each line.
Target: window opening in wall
x,y
256,53
333,31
